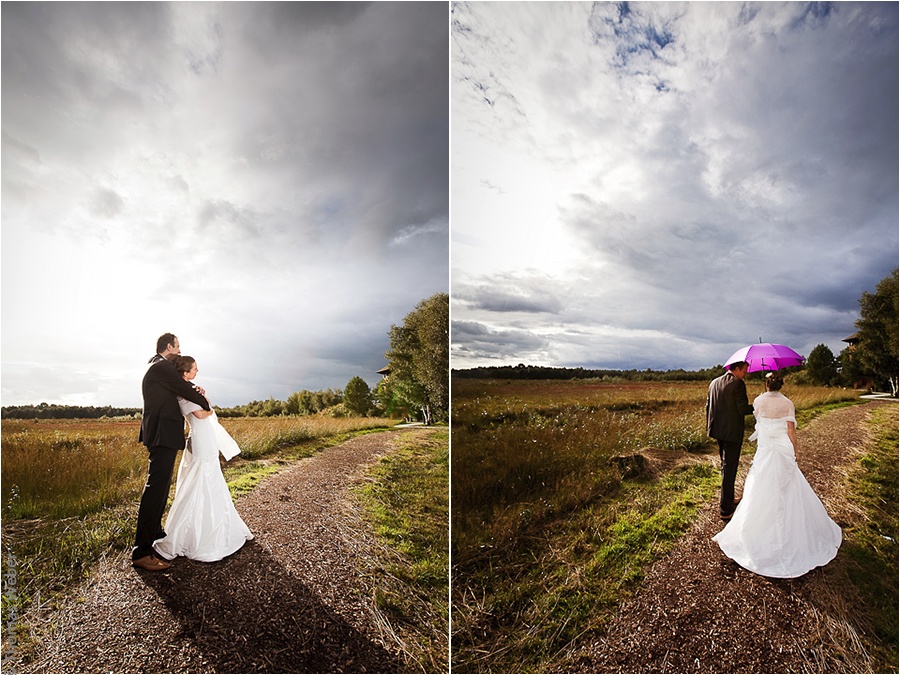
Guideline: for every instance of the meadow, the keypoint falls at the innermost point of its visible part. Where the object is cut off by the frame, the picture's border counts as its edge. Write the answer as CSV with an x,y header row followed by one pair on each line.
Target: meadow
x,y
70,488
64,468
549,531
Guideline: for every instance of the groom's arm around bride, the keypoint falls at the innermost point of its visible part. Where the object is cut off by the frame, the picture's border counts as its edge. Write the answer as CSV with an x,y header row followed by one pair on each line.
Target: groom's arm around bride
x,y
162,422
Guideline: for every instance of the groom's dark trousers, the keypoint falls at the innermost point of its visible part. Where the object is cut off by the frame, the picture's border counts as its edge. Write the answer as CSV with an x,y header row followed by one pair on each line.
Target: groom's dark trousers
x,y
730,454
153,500
162,431
726,407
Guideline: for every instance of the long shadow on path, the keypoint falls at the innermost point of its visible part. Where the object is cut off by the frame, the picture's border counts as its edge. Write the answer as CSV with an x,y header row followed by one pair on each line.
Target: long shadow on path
x,y
248,614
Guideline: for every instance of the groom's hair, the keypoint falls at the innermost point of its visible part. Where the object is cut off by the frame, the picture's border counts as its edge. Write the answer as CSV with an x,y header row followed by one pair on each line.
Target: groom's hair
x,y
736,365
164,341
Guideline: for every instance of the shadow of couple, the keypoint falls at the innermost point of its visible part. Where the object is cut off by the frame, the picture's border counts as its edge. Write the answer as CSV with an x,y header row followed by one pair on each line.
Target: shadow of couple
x,y
249,614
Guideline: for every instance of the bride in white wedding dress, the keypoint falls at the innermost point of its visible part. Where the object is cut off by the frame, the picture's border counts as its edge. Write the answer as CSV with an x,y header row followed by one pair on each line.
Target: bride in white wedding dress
x,y
780,528
202,523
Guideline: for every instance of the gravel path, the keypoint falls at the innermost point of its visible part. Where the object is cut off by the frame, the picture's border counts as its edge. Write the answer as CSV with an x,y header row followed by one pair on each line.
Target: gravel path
x,y
698,611
292,600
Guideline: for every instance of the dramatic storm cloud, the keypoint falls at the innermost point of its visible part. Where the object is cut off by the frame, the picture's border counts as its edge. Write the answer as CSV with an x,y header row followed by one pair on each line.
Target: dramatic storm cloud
x,y
269,181
655,185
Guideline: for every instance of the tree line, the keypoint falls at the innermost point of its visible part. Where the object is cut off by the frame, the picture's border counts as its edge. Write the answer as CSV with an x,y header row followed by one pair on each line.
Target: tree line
x,y
48,411
303,402
525,372
415,383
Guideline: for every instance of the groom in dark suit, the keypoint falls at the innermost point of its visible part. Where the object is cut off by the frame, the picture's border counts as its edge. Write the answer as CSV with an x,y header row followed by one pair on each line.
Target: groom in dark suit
x,y
162,431
726,407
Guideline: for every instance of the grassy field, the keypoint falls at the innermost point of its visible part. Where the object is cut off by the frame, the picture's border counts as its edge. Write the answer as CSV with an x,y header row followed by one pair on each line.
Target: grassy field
x,y
548,536
406,499
71,488
64,468
858,590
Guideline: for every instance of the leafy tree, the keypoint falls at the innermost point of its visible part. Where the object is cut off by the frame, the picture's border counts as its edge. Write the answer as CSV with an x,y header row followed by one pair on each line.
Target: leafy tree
x,y
292,405
398,398
419,357
326,398
358,397
304,402
821,366
850,373
272,408
876,353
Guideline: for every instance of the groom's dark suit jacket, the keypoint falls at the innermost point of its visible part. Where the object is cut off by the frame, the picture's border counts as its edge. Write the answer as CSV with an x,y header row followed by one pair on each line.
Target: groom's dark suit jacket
x,y
162,422
726,406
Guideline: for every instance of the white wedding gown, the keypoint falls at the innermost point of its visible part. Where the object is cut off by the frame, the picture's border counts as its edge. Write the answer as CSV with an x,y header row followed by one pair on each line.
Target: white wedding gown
x,y
202,523
780,528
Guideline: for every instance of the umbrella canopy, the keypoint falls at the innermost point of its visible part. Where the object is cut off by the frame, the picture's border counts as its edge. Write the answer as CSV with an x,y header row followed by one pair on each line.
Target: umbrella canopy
x,y
766,356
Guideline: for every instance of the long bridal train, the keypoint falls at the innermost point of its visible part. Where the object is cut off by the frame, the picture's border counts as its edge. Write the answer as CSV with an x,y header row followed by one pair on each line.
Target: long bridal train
x,y
780,528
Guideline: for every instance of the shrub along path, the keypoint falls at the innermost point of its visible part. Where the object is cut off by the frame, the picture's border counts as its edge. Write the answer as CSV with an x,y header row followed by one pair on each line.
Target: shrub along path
x,y
293,600
698,611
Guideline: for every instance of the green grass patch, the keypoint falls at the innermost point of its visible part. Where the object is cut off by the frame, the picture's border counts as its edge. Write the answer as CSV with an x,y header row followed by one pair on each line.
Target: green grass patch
x,y
243,478
405,497
656,515
865,571
243,474
806,415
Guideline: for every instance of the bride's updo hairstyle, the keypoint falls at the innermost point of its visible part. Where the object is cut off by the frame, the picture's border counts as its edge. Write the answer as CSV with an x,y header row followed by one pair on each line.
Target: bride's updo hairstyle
x,y
183,364
774,381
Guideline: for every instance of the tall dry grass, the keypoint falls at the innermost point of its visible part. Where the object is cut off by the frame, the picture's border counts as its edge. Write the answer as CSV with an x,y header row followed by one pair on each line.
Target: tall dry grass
x,y
259,436
65,468
527,451
58,469
534,441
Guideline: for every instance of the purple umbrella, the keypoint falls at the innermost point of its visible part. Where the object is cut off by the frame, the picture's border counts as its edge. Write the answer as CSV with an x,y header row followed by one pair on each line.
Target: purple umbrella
x,y
766,356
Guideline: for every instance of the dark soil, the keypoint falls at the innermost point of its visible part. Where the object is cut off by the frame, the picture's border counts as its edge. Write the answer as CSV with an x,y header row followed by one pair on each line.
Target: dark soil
x,y
293,600
699,612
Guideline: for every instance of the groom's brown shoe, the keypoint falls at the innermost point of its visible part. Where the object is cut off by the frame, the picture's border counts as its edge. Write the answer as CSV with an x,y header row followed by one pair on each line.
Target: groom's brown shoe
x,y
151,563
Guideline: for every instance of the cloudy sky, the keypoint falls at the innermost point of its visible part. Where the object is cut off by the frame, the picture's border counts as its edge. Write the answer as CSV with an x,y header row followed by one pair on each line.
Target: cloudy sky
x,y
655,185
269,181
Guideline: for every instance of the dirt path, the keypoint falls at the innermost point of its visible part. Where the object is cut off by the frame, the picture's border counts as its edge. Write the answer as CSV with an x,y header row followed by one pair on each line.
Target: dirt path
x,y
293,600
698,611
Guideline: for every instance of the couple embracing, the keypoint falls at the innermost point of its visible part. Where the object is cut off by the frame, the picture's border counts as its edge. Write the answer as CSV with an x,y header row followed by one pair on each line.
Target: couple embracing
x,y
202,523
